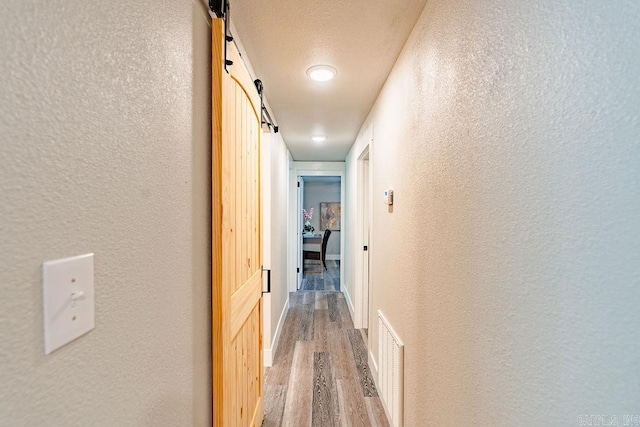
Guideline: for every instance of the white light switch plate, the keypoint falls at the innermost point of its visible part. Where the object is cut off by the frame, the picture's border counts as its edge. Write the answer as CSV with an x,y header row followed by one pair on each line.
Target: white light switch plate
x,y
67,289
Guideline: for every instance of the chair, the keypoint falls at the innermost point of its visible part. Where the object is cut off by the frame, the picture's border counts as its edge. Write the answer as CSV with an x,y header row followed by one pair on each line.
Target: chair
x,y
315,255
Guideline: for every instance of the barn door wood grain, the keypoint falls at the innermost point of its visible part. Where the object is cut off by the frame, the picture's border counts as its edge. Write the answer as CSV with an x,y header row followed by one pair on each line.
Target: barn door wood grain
x,y
236,240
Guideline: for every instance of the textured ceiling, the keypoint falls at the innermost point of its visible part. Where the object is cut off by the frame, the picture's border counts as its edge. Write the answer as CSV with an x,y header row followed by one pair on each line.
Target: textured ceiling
x,y
361,39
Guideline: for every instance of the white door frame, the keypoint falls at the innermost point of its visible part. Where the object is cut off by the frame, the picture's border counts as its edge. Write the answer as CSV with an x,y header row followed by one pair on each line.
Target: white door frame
x,y
311,169
364,222
299,240
362,259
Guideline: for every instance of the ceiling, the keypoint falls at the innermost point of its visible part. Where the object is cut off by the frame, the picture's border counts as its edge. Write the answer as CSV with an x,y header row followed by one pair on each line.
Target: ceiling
x,y
360,39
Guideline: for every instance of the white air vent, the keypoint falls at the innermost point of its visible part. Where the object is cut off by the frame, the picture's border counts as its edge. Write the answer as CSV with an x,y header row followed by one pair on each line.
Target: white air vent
x,y
390,371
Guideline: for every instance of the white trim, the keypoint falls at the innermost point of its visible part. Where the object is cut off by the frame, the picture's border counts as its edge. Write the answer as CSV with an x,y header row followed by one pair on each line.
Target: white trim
x,y
299,238
269,353
373,366
347,297
360,294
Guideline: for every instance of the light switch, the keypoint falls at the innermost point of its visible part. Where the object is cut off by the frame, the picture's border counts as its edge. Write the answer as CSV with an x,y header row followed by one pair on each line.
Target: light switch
x,y
67,289
388,197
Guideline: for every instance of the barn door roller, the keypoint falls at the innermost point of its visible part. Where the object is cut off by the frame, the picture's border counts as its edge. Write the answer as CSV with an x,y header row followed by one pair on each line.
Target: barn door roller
x,y
221,9
265,117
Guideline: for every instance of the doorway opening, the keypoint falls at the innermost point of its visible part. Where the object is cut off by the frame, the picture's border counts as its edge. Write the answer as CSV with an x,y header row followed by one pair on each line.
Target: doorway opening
x,y
320,226
324,183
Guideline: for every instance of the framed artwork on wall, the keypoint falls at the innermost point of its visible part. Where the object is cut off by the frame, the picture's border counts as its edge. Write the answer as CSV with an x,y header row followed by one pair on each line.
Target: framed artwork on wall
x,y
330,216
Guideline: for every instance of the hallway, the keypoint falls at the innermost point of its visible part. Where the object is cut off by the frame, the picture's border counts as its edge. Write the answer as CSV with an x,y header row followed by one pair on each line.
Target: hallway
x,y
493,148
320,374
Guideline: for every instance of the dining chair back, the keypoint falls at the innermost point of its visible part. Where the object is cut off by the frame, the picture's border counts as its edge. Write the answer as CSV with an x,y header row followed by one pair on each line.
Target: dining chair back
x,y
318,255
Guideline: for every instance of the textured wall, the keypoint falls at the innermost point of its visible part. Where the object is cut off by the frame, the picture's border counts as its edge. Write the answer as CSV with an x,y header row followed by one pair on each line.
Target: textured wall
x,y
104,141
279,209
509,132
314,194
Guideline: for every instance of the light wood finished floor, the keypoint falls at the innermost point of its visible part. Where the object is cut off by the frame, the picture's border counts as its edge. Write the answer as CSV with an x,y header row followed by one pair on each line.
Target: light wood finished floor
x,y
320,375
326,280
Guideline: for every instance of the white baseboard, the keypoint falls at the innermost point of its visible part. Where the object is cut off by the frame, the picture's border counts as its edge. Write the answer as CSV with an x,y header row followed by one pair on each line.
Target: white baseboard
x,y
347,297
268,353
333,257
373,367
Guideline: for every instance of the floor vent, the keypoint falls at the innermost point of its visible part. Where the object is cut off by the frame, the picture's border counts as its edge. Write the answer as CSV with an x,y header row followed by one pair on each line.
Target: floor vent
x,y
390,370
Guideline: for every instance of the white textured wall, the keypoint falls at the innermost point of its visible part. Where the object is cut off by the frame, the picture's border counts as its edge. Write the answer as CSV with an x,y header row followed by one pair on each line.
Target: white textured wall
x,y
509,266
279,209
104,141
314,194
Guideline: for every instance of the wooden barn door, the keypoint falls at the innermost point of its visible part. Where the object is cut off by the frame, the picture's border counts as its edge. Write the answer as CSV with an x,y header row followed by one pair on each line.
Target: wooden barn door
x,y
236,244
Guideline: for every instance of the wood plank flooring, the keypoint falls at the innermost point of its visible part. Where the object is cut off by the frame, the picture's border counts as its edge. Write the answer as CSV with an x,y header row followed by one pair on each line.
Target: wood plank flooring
x,y
320,375
324,280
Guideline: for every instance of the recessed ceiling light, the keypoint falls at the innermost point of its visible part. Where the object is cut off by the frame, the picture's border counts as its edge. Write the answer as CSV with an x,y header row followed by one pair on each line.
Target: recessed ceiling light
x,y
318,138
321,73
